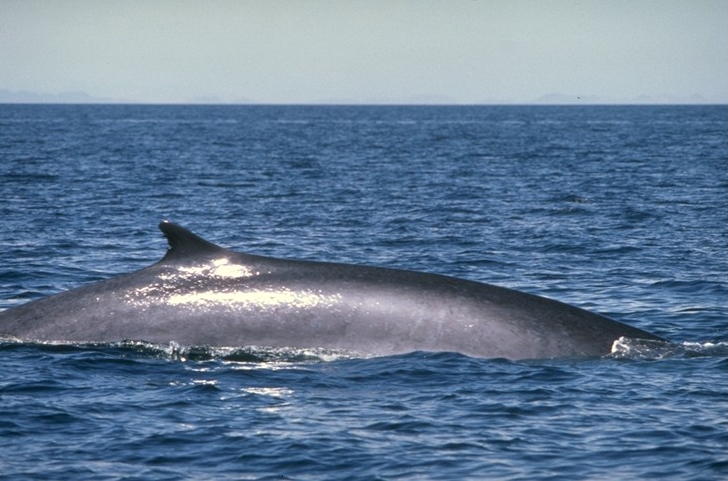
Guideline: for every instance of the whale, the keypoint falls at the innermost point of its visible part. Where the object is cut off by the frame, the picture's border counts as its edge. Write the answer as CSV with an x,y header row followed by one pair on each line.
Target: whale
x,y
201,294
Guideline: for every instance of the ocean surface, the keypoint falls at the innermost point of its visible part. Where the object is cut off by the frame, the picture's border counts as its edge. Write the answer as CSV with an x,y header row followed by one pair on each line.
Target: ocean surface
x,y
622,210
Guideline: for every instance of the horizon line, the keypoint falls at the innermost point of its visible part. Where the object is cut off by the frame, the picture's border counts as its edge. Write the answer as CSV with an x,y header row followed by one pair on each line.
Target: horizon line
x,y
376,104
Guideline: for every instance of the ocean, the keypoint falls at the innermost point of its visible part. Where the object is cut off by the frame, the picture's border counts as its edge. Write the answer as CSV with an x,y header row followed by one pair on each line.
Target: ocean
x,y
622,210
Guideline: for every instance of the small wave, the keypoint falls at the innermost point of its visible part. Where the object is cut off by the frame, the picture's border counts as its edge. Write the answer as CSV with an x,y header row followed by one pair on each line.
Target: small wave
x,y
177,352
627,348
572,198
252,353
622,348
691,286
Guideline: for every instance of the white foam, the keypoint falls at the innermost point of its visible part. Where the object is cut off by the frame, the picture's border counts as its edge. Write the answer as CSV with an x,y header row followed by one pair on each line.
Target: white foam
x,y
627,348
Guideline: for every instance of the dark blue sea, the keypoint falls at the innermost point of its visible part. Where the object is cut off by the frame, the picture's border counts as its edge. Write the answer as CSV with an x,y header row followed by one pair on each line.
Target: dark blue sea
x,y
622,210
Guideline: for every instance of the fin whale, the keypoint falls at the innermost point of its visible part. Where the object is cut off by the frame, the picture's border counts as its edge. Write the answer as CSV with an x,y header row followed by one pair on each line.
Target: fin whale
x,y
203,294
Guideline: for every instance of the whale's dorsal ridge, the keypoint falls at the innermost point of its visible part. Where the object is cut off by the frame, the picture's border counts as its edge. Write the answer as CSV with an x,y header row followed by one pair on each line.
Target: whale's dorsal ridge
x,y
183,243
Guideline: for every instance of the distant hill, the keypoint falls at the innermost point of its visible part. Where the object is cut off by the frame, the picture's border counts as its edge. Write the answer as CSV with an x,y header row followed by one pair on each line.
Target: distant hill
x,y
72,97
559,98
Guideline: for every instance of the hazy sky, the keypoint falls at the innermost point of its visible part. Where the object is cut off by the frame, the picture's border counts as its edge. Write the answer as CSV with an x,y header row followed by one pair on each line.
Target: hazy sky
x,y
367,51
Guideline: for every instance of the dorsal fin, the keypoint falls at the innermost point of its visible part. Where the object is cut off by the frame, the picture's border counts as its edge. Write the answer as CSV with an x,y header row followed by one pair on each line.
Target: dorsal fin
x,y
183,243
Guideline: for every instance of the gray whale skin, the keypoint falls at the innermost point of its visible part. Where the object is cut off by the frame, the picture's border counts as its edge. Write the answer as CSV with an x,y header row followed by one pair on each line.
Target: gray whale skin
x,y
203,294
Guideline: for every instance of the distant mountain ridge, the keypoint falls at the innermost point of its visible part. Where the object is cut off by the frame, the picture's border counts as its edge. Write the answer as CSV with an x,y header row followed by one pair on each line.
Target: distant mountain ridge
x,y
560,98
553,98
25,96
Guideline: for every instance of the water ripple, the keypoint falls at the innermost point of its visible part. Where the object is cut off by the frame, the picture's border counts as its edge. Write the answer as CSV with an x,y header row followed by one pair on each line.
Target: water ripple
x,y
622,210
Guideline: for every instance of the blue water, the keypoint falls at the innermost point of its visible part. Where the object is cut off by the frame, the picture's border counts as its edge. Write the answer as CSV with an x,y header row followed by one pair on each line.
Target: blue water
x,y
621,210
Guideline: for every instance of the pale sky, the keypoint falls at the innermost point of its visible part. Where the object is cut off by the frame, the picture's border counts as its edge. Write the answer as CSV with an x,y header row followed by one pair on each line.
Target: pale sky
x,y
297,51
